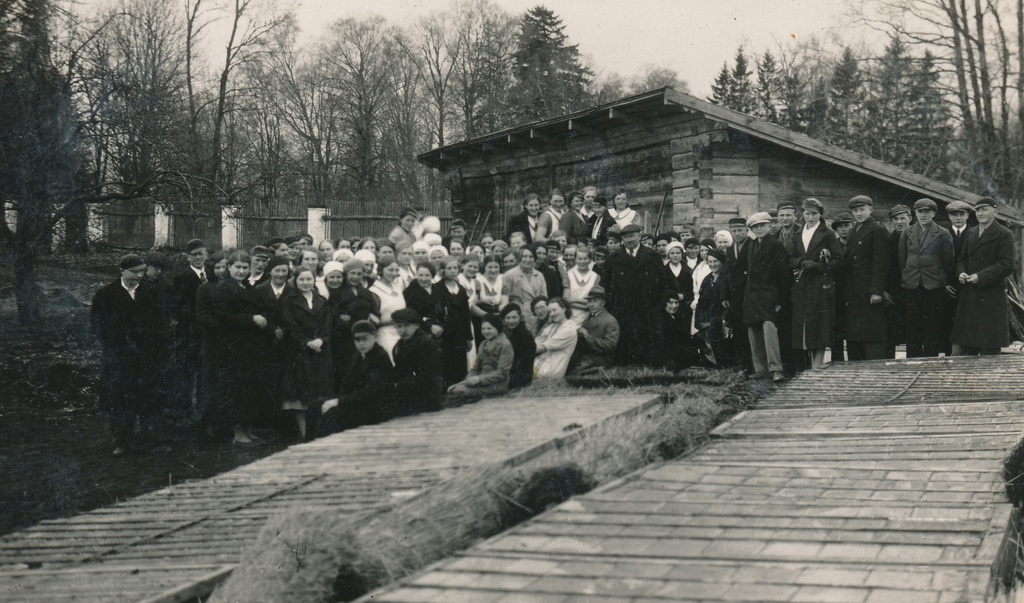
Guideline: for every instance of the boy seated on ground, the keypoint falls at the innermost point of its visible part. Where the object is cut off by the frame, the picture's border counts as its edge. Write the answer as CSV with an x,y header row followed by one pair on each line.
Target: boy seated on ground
x,y
598,336
368,376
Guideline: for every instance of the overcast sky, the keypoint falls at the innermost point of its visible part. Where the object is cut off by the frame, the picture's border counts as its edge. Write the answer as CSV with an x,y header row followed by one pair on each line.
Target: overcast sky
x,y
693,37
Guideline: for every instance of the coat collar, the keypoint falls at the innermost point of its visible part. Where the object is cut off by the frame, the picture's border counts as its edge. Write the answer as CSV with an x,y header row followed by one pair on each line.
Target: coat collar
x,y
816,238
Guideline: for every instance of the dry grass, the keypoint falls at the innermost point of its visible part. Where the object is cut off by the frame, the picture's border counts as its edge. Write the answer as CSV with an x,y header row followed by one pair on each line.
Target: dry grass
x,y
316,555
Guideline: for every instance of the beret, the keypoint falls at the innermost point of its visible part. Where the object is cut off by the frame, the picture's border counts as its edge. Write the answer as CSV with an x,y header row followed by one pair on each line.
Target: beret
x,y
986,201
630,228
132,261
956,206
708,243
155,258
663,237
596,291
715,253
193,245
277,260
761,217
353,264
407,316
860,200
363,327
899,209
814,204
925,204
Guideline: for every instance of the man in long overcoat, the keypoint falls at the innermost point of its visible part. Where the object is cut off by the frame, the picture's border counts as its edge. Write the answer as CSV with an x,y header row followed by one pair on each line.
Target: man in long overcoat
x,y
927,261
768,279
738,269
125,319
187,334
958,213
865,270
633,280
982,316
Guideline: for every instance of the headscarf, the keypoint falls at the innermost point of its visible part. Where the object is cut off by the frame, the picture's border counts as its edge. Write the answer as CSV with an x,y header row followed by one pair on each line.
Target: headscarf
x,y
333,266
342,255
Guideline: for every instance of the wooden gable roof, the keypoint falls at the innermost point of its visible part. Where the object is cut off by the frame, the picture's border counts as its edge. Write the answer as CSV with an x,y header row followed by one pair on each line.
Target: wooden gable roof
x,y
639,109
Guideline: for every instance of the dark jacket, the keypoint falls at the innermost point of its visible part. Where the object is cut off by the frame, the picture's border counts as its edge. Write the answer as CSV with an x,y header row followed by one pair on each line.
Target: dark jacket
x,y
184,287
417,298
738,267
958,243
634,286
713,293
520,223
310,374
451,313
574,226
524,350
982,315
814,291
768,279
681,285
866,265
598,347
126,330
602,232
419,382
367,379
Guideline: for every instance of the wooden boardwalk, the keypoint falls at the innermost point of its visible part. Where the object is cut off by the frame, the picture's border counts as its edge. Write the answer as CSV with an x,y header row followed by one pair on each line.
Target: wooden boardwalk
x,y
869,482
173,544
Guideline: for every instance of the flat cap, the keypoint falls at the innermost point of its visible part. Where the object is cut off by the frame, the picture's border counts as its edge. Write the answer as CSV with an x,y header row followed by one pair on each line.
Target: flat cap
x,y
630,228
925,203
785,205
814,204
131,261
761,217
842,218
986,202
956,206
596,291
194,244
860,200
260,250
899,209
737,221
407,316
363,327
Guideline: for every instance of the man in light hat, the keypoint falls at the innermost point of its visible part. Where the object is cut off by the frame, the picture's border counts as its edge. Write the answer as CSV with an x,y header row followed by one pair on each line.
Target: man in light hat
x,y
125,320
767,286
598,337
736,259
865,270
926,259
633,279
982,315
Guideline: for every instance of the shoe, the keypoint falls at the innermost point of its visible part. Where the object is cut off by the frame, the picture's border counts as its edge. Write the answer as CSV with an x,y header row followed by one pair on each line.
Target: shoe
x,y
778,377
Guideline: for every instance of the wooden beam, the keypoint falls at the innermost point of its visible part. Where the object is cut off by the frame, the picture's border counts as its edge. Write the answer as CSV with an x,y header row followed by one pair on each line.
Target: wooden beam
x,y
576,126
629,118
538,135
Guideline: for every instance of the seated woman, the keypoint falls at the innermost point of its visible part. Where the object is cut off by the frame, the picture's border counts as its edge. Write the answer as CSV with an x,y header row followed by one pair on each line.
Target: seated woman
x,y
490,375
524,348
678,351
556,342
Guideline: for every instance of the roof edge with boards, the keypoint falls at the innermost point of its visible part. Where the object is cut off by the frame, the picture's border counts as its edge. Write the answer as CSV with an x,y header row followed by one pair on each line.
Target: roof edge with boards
x,y
757,128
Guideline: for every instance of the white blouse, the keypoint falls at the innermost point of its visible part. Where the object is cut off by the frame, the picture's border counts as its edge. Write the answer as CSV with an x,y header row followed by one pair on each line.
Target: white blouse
x,y
391,299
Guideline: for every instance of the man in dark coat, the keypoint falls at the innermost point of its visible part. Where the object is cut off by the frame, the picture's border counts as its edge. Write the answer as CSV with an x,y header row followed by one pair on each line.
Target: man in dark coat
x,y
927,262
768,278
982,316
738,269
958,213
793,359
525,222
368,376
633,278
187,333
900,217
865,270
419,377
125,319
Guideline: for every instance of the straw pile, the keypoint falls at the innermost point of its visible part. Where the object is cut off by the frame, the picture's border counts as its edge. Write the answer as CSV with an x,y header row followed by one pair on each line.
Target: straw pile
x,y
315,555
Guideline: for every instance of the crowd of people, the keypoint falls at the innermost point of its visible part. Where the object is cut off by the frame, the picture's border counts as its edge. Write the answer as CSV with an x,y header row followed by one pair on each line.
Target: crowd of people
x,y
334,334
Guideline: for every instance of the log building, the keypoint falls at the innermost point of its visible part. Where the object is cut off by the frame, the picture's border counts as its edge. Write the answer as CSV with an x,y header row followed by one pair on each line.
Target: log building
x,y
685,162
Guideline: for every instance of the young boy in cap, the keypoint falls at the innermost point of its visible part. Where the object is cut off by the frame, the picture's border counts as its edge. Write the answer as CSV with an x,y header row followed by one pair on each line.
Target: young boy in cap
x,y
982,315
124,317
368,377
419,377
927,261
767,286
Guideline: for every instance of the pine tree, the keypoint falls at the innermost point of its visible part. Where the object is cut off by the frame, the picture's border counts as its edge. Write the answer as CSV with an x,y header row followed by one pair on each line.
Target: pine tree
x,y
742,89
551,80
769,89
846,102
721,90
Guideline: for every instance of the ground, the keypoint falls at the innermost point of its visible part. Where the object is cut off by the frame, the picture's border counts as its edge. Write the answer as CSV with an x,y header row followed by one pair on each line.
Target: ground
x,y
55,452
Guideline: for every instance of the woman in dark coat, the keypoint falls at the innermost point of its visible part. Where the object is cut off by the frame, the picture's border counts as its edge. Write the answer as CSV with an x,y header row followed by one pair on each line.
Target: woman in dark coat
x,y
524,347
308,326
814,294
228,316
712,306
451,313
210,397
417,294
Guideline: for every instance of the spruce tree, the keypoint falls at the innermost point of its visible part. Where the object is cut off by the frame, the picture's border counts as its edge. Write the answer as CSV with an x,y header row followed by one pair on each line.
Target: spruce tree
x,y
769,89
721,89
550,79
846,102
742,88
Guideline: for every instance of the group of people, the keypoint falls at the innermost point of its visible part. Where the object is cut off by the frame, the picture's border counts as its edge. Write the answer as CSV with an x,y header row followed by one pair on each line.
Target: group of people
x,y
340,333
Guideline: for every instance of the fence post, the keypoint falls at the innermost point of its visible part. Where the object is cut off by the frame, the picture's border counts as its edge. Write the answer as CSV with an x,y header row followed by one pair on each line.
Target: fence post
x,y
161,226
11,216
229,226
97,229
316,225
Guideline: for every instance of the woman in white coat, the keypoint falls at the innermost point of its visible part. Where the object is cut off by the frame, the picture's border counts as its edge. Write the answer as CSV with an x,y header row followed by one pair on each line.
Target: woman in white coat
x,y
556,342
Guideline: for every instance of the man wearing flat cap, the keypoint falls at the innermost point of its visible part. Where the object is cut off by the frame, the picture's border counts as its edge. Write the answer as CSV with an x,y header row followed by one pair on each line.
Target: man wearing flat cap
x,y
738,268
597,337
767,287
633,279
125,320
958,213
788,227
900,217
865,270
926,260
982,315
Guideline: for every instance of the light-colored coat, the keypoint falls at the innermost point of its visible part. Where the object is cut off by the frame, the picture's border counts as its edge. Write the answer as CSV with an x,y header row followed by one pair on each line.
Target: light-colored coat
x,y
927,257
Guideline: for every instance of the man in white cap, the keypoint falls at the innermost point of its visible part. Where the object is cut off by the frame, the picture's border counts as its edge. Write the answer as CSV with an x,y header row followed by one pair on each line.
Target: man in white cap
x,y
768,279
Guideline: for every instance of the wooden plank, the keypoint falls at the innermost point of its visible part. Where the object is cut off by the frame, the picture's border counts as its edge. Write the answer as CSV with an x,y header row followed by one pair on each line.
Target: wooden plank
x,y
734,167
685,178
734,185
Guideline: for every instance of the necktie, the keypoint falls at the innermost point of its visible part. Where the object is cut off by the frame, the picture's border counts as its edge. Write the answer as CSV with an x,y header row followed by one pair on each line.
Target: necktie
x,y
202,276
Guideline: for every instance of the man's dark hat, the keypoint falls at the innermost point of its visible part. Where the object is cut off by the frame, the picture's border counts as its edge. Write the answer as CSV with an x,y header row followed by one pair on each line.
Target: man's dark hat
x,y
407,316
155,258
737,222
193,245
860,200
131,261
630,228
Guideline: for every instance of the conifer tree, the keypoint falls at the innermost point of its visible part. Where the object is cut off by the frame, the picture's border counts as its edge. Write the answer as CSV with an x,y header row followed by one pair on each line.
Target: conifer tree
x,y
550,79
846,102
769,89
